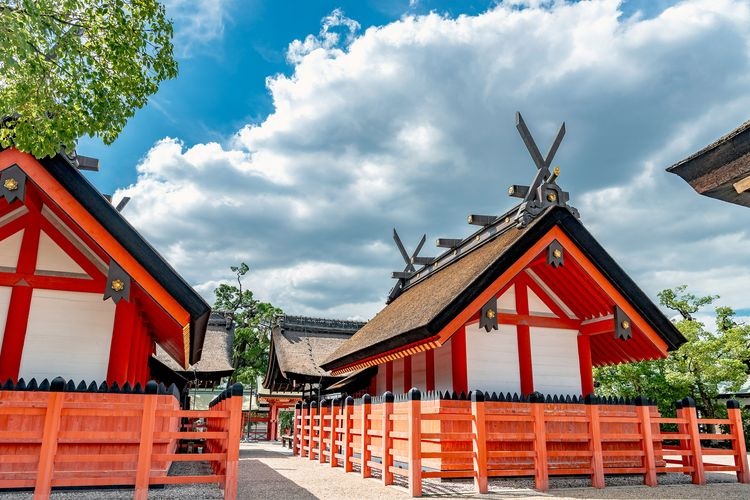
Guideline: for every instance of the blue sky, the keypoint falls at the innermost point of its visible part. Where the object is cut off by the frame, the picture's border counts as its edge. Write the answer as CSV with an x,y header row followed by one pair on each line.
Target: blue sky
x,y
298,134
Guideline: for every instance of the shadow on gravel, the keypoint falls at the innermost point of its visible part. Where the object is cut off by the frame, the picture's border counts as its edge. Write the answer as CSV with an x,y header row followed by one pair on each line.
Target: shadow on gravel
x,y
260,453
257,480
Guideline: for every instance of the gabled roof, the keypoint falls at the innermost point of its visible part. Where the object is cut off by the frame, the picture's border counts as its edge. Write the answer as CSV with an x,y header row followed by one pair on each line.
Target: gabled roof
x,y
298,347
216,359
427,306
714,170
88,208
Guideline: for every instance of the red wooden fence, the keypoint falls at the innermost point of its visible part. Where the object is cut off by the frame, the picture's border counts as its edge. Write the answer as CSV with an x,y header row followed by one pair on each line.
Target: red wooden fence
x,y
56,438
482,437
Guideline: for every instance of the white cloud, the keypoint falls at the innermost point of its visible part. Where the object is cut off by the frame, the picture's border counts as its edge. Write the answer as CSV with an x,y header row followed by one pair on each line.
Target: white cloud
x,y
197,22
411,125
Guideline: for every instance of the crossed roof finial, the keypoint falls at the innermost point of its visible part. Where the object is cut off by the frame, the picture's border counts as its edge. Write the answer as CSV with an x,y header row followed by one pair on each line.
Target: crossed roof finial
x,y
543,191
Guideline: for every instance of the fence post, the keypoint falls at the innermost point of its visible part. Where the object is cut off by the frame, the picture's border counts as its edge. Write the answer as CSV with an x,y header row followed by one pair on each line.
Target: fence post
x,y
366,453
480,441
738,444
649,461
682,429
233,442
541,474
304,412
295,429
597,459
143,470
43,484
322,412
688,407
311,436
347,438
415,442
335,412
387,458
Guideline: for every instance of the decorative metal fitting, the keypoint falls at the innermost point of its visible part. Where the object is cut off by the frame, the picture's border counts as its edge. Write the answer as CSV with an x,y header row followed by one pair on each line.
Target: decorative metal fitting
x,y
556,171
622,325
555,257
488,316
551,197
118,285
10,184
557,253
512,190
625,324
490,313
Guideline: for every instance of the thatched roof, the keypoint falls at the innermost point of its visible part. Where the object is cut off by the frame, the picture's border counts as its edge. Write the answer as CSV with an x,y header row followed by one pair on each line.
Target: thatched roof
x,y
424,308
298,347
715,169
216,359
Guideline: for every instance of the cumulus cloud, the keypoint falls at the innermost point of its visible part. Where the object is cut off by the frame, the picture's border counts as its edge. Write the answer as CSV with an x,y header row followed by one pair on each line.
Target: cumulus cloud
x,y
411,125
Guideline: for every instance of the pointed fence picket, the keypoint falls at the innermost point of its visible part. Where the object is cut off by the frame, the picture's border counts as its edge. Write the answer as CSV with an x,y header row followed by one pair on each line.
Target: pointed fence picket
x,y
416,436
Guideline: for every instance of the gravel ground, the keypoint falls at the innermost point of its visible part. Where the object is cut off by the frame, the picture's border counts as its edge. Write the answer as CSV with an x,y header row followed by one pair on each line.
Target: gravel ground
x,y
268,471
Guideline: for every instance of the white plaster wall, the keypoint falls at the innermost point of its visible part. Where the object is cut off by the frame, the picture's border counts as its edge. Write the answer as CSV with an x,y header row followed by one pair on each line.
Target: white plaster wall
x,y
52,258
419,371
4,303
507,301
68,335
554,355
537,306
10,247
492,359
443,368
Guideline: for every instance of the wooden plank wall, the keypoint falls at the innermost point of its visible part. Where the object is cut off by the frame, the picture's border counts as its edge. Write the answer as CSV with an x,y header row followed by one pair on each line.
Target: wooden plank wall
x,y
480,437
63,439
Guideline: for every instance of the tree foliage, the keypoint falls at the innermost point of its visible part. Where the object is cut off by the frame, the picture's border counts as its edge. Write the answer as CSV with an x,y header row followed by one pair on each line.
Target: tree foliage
x,y
710,362
253,323
70,68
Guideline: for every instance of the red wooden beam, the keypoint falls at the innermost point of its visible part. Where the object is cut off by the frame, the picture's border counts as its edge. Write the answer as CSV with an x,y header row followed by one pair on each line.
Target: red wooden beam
x,y
458,361
584,363
119,351
604,325
538,321
524,341
389,376
430,369
407,374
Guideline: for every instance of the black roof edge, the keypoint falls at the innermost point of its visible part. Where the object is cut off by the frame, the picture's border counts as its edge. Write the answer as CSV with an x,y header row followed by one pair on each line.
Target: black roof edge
x,y
379,348
106,214
586,243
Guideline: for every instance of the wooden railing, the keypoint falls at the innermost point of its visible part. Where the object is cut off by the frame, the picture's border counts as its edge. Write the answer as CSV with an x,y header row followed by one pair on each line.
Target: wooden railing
x,y
59,435
484,436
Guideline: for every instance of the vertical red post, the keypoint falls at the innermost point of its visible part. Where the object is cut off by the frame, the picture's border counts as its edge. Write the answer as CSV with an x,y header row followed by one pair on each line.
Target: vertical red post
x,y
324,412
389,376
303,446
585,365
311,436
145,449
387,442
234,404
48,449
684,443
458,361
649,460
335,412
479,442
738,444
430,369
347,438
597,458
415,442
688,406
407,374
524,340
296,428
365,437
541,472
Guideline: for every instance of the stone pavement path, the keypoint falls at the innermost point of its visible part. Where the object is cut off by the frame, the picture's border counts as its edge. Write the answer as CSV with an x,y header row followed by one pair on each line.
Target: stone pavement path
x,y
268,471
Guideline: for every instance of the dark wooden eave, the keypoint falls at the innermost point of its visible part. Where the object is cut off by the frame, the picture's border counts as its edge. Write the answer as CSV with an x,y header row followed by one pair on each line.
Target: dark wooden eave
x,y
106,214
420,318
714,170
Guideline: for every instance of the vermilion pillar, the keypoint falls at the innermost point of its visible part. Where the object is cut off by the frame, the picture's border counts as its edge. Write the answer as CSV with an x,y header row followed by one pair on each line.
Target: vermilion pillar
x,y
119,350
458,361
585,364
524,340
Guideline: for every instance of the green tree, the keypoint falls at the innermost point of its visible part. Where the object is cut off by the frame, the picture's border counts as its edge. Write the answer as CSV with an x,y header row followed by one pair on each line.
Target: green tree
x,y
253,323
708,363
70,68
